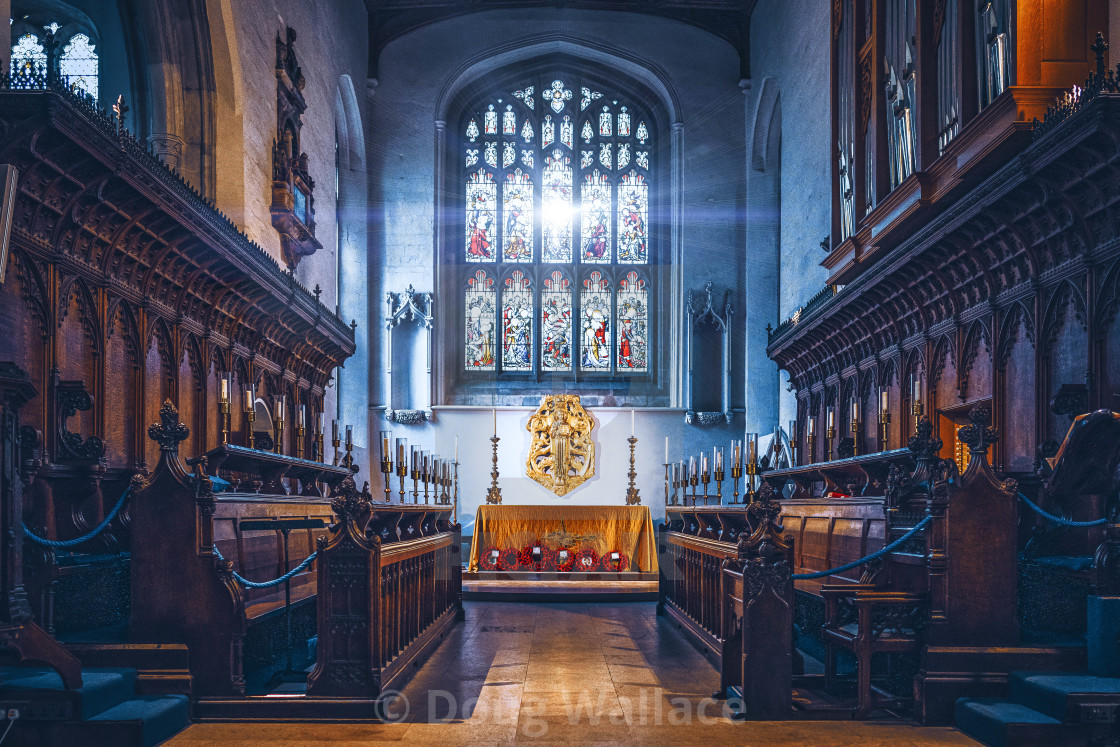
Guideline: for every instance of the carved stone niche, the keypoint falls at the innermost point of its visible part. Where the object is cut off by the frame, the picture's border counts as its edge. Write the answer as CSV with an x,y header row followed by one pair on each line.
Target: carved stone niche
x,y
708,351
413,307
293,205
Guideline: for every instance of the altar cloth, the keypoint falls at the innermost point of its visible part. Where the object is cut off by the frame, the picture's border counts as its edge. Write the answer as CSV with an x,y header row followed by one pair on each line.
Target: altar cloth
x,y
604,529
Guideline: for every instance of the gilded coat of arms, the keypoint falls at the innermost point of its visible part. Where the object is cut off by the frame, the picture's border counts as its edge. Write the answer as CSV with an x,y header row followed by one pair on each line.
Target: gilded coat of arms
x,y
562,454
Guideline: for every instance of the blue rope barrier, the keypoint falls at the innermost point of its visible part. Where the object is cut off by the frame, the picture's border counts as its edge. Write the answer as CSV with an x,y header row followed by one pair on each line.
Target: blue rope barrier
x,y
873,556
274,582
1059,519
86,537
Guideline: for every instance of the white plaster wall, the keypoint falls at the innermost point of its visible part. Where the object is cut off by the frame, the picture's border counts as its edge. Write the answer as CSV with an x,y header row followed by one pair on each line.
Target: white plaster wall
x,y
790,43
703,72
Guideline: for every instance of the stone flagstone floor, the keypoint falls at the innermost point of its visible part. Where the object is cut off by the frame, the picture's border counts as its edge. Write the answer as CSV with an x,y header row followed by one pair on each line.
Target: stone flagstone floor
x,y
565,674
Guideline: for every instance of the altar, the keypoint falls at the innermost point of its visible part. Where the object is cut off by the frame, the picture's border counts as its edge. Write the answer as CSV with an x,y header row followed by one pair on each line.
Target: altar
x,y
601,539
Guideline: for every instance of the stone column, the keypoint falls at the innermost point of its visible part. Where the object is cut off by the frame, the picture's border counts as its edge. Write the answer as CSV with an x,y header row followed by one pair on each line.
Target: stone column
x,y
6,39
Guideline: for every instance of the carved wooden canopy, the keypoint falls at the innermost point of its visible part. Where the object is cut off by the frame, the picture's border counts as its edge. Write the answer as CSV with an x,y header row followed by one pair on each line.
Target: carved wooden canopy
x,y
93,203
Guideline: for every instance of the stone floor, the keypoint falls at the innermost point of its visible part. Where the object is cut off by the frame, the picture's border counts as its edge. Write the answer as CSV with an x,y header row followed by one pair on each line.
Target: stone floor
x,y
568,674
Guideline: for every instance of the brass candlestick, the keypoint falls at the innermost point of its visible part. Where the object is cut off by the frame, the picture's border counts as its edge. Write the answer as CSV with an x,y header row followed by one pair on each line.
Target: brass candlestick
x,y
446,498
301,433
693,480
884,430
416,483
386,470
855,437
811,455
279,434
828,436
335,442
223,406
250,416
321,447
494,494
705,478
668,479
455,495
749,492
718,474
402,473
736,473
425,474
632,497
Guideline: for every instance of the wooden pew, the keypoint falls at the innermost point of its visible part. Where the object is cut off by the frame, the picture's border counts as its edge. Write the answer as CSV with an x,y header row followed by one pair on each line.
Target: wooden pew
x,y
181,591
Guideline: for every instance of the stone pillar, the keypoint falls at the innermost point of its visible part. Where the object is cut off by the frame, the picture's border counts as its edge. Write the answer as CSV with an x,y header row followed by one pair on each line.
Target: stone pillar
x,y
168,147
6,39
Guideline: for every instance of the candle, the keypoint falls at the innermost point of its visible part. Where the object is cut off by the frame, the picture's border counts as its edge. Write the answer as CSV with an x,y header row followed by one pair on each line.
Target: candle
x,y
494,412
248,400
917,391
811,425
666,450
855,410
334,433
703,462
400,446
752,441
279,407
736,454
386,455
303,416
349,436
692,466
831,415
882,399
631,424
718,459
225,389
793,430
415,460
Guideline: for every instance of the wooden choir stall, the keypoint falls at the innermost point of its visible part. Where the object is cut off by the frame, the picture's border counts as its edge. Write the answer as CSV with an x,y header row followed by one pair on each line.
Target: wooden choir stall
x,y
382,589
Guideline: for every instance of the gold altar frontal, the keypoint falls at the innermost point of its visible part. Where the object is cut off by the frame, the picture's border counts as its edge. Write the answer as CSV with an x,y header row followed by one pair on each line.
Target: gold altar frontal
x,y
603,529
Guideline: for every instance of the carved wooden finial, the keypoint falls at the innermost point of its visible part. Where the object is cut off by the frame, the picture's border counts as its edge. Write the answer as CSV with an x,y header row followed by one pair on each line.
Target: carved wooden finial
x,y
980,434
120,109
169,431
923,444
1099,47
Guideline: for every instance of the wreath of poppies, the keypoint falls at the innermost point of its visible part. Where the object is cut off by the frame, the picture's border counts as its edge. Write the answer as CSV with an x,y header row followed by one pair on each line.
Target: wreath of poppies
x,y
508,559
527,560
549,559
564,565
586,560
615,566
490,560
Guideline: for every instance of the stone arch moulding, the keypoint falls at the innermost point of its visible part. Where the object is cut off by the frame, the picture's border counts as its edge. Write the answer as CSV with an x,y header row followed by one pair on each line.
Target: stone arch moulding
x,y
767,117
412,307
704,312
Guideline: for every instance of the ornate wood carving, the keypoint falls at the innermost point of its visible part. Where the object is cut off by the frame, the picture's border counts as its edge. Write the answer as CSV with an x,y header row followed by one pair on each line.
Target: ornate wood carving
x,y
293,204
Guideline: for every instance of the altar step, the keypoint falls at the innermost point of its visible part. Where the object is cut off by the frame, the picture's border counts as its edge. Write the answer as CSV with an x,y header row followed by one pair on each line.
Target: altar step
x,y
518,586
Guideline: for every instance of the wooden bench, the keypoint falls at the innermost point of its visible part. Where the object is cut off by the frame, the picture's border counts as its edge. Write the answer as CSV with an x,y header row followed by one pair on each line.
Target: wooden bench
x,y
181,591
942,595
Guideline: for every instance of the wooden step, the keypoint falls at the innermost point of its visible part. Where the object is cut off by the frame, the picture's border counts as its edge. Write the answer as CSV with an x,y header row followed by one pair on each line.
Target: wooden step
x,y
161,668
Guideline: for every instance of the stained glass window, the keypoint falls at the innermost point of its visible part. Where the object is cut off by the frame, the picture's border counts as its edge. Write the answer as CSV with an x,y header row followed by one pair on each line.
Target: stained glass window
x,y
595,323
633,215
480,323
568,224
482,208
556,232
79,65
28,56
633,318
596,207
517,207
517,323
556,323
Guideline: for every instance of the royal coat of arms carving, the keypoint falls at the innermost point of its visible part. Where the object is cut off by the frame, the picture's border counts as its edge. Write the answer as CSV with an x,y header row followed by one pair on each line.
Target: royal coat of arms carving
x,y
562,454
